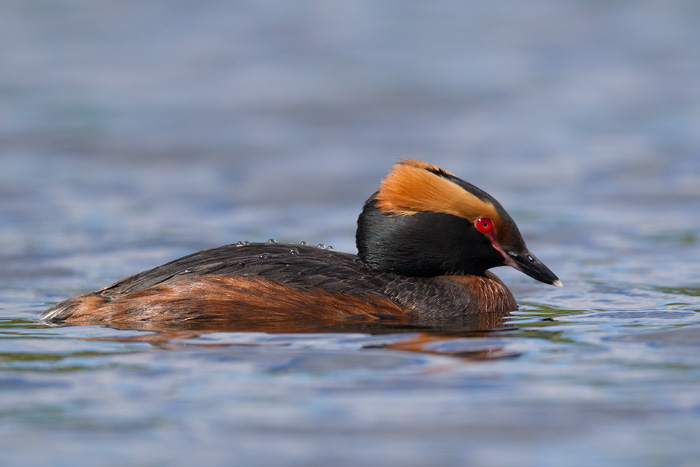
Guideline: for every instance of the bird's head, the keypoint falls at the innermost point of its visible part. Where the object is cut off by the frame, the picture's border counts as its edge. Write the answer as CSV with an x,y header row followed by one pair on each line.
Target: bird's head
x,y
425,221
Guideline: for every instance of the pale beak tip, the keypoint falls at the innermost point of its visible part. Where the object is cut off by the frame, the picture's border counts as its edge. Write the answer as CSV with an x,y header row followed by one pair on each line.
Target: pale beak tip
x,y
557,283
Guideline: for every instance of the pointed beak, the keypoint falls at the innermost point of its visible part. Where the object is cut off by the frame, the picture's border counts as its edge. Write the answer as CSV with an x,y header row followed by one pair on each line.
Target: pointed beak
x,y
527,263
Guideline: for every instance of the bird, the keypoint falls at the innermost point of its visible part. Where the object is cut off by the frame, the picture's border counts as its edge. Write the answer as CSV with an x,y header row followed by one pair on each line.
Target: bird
x,y
426,242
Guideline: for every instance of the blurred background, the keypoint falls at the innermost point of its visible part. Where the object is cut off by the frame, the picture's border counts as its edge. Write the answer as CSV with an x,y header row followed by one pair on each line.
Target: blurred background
x,y
217,120
132,133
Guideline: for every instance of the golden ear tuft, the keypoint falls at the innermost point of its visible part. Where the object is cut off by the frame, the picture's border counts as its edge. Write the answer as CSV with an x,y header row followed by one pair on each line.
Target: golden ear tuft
x,y
414,186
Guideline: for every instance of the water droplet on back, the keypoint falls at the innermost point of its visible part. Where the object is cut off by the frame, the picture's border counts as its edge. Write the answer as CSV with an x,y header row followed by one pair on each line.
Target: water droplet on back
x,y
321,246
293,252
303,243
272,241
329,248
265,256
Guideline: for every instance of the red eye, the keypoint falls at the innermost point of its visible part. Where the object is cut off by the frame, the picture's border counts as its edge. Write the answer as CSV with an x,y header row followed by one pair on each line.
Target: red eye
x,y
484,225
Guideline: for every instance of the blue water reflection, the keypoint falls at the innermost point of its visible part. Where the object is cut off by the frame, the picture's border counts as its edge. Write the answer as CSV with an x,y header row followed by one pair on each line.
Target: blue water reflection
x,y
135,133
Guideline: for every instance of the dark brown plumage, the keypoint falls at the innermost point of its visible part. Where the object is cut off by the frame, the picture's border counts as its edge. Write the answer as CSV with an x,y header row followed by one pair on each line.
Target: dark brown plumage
x,y
426,240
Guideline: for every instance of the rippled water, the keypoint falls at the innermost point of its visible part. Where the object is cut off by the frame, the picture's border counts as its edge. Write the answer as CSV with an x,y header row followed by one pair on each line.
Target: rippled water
x,y
136,133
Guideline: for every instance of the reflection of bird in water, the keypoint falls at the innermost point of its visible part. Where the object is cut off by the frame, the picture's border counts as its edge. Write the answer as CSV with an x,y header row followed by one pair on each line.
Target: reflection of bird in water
x,y
426,240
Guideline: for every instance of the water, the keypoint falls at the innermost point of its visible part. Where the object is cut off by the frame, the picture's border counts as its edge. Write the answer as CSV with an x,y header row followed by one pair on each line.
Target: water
x,y
134,134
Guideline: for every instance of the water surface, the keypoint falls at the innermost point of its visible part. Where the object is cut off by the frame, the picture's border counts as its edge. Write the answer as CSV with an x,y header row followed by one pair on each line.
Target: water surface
x,y
134,134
